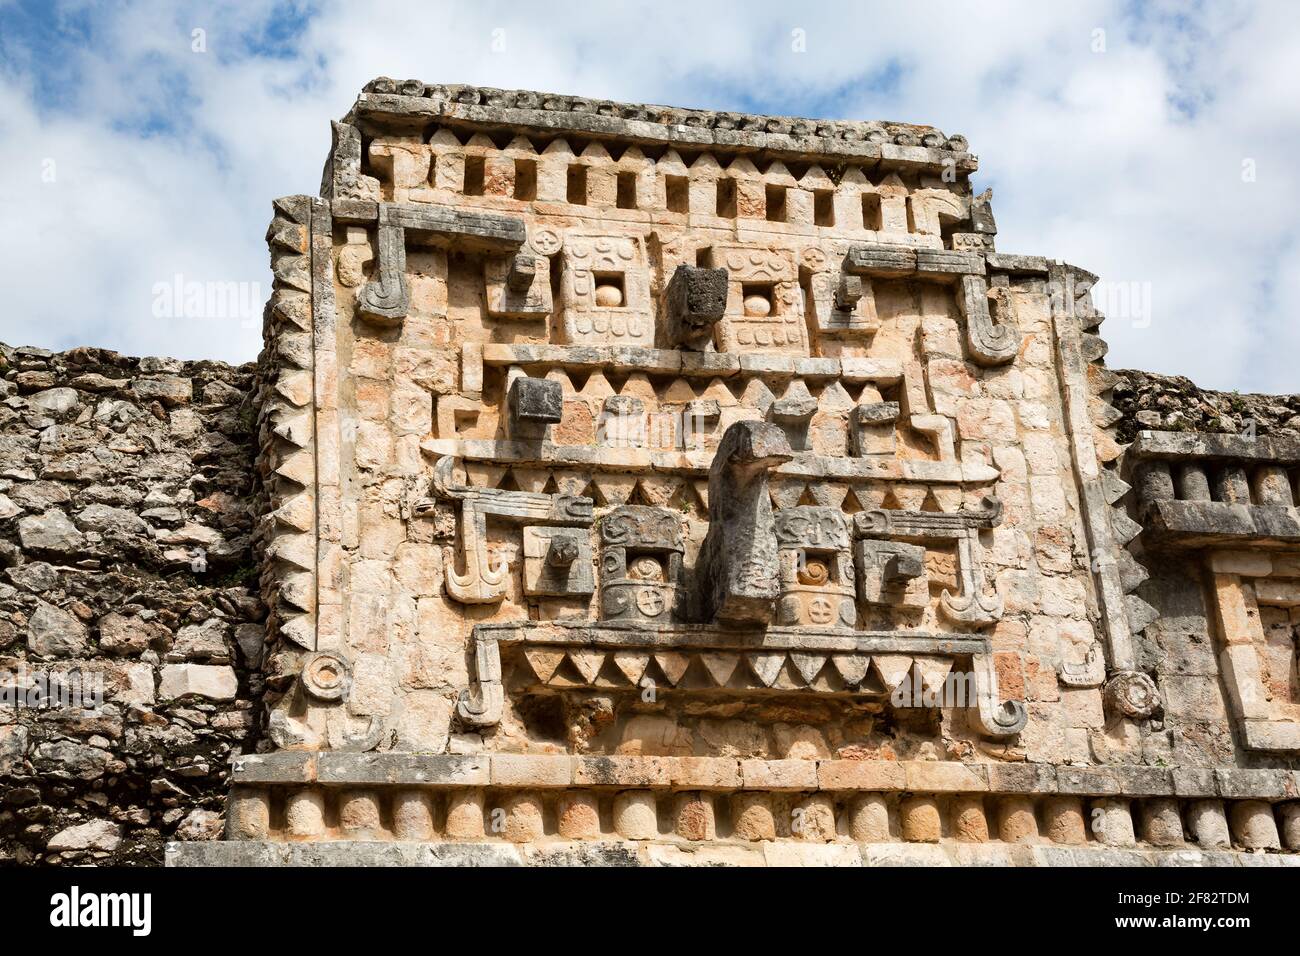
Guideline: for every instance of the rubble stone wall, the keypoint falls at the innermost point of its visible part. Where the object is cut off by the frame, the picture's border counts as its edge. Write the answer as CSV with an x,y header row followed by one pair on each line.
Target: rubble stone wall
x,y
1175,403
124,558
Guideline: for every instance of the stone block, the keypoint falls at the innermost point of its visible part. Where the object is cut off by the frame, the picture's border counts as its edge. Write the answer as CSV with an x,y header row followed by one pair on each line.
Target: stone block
x,y
215,682
751,816
636,815
920,819
1253,826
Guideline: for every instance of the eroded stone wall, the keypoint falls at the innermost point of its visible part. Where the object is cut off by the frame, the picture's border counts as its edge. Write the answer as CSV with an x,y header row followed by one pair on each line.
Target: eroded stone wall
x,y
124,556
1181,646
1175,403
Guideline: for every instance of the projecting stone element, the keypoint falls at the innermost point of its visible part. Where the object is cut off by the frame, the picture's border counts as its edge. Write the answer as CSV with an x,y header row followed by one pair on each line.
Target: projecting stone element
x,y
518,286
891,573
794,411
534,404
694,302
557,562
522,272
981,214
849,292
872,429
736,575
386,299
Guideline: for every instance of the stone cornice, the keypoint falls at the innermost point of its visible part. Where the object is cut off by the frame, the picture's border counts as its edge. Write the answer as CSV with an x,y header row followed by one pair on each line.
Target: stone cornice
x,y
385,102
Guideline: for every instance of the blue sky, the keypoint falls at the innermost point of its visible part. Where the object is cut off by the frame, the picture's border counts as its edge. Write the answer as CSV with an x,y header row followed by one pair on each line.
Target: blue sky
x,y
1153,144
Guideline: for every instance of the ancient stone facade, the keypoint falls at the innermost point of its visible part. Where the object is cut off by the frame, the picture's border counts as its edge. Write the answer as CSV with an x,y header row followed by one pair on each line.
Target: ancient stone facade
x,y
647,485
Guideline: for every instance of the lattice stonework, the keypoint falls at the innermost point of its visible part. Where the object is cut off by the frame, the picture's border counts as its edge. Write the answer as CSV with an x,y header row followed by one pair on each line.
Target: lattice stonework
x,y
627,465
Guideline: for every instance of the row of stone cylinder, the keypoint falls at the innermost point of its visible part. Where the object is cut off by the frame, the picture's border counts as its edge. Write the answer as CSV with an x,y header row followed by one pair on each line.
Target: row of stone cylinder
x,y
527,816
1269,484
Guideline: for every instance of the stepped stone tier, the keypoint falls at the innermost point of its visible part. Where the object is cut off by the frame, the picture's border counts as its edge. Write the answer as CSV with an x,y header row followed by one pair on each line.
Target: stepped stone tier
x,y
647,485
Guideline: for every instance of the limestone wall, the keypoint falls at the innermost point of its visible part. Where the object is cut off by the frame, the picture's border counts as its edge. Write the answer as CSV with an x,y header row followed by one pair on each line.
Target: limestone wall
x,y
125,557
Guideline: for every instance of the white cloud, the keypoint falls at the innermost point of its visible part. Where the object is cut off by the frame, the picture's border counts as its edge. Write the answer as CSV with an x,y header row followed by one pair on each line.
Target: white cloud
x,y
1127,162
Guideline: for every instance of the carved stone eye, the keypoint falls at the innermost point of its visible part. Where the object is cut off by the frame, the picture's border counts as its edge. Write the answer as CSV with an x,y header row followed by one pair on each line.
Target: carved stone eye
x,y
563,552
814,572
646,568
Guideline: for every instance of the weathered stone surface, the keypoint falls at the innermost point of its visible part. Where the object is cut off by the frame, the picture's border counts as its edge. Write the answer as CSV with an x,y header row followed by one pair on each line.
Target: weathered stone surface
x,y
921,820
203,680
578,816
304,813
200,825
92,835
131,635
635,815
1065,821
1253,825
969,822
736,572
52,632
1162,822
50,533
1016,820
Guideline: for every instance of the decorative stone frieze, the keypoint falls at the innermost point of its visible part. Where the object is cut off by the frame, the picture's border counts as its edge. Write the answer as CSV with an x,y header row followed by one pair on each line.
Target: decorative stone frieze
x,y
664,479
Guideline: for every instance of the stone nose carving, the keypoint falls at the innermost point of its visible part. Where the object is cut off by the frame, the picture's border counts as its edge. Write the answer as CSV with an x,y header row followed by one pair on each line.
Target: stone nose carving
x,y
696,299
736,577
